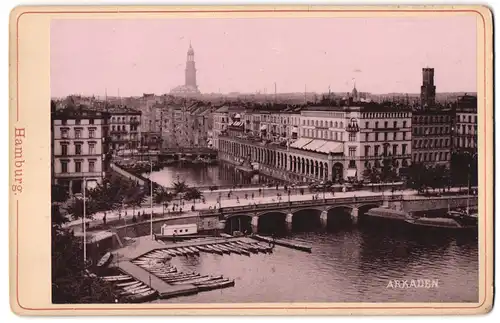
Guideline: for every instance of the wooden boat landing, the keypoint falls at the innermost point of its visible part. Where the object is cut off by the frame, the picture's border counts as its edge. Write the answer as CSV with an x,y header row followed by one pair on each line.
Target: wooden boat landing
x,y
164,290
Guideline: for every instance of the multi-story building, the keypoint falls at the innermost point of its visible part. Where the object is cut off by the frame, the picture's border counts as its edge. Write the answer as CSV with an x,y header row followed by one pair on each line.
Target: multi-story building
x,y
220,123
432,136
325,142
465,126
78,150
124,128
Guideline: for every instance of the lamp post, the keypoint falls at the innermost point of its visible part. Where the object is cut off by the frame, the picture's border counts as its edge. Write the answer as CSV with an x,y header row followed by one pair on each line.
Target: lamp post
x,y
84,223
151,192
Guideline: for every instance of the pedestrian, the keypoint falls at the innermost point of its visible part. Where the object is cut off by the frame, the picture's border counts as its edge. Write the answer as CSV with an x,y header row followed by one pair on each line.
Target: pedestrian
x,y
246,196
237,199
252,196
260,191
119,216
104,219
229,195
192,207
277,187
134,219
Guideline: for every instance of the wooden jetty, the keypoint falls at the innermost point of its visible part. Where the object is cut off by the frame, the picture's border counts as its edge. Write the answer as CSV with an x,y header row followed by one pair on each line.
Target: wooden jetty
x,y
283,242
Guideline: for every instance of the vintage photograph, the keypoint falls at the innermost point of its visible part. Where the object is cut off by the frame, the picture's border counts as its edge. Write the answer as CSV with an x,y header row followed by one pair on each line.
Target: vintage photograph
x,y
264,160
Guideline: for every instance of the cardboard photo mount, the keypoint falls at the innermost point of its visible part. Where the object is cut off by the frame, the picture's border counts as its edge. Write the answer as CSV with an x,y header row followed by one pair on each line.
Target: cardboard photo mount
x,y
30,251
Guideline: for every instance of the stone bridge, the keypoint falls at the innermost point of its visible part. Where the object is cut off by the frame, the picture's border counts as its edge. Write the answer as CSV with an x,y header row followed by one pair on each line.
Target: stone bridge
x,y
351,207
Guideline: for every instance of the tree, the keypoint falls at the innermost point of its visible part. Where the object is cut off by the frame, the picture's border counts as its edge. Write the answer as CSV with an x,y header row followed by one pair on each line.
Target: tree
x,y
161,196
180,187
372,174
134,197
193,194
417,176
59,193
388,171
71,283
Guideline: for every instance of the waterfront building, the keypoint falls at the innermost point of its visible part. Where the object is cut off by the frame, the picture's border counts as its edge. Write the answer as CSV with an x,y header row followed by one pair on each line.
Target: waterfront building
x,y
333,142
124,128
466,124
79,150
432,136
220,123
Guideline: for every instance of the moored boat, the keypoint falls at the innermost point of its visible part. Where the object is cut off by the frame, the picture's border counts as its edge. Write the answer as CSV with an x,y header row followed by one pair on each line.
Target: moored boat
x,y
105,260
142,297
210,286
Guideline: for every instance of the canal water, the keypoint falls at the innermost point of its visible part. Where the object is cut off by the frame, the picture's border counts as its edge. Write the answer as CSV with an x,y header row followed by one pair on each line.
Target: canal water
x,y
204,176
349,265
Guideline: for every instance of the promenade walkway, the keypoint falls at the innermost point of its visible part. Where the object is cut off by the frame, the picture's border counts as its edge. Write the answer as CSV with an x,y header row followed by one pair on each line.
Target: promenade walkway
x,y
237,199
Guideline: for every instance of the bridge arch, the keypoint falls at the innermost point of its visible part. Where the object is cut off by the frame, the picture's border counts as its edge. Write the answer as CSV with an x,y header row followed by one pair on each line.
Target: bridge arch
x,y
272,222
305,220
238,222
338,217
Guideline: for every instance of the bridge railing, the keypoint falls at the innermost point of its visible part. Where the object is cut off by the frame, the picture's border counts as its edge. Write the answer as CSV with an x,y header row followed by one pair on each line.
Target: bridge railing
x,y
294,204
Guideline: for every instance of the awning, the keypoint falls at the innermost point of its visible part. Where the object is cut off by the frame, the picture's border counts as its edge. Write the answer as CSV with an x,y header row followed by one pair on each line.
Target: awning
x,y
331,147
263,127
314,145
351,172
300,143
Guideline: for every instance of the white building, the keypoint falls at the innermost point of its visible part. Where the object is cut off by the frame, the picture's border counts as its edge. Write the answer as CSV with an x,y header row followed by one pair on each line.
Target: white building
x,y
78,148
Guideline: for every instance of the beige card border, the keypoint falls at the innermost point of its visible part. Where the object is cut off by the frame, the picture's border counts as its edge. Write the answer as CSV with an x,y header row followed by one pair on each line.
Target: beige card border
x,y
29,209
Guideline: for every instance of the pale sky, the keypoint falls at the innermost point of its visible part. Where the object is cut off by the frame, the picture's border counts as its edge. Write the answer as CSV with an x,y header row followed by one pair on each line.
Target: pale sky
x,y
384,55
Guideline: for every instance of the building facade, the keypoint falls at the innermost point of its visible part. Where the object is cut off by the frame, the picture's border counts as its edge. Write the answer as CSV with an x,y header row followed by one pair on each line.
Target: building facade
x,y
78,149
124,128
432,136
466,124
323,142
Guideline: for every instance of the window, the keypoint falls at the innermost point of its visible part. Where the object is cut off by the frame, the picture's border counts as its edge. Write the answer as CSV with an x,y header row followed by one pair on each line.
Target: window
x,y
404,135
386,136
404,124
395,136
91,121
78,121
386,123
376,136
367,125
403,149
470,119
352,151
440,156
341,124
367,150
78,149
376,148
78,166
91,148
64,166
376,124
91,166
352,136
336,124
64,133
64,121
425,156
395,124
394,150
78,133
91,133
64,149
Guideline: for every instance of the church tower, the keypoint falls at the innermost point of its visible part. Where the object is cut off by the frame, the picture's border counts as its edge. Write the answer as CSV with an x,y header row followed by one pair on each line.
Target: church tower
x,y
428,89
190,69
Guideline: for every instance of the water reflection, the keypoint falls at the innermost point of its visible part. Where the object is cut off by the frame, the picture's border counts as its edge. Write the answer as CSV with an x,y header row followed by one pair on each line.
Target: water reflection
x,y
345,266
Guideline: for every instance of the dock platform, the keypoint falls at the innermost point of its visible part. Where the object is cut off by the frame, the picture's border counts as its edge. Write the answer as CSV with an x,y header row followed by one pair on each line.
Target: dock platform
x,y
283,243
164,290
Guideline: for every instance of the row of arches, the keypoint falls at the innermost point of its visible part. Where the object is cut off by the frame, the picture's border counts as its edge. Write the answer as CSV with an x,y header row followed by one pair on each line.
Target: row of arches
x,y
305,220
309,167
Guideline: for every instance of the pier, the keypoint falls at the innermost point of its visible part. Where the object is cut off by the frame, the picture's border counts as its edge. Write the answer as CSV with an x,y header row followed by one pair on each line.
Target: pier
x,y
283,243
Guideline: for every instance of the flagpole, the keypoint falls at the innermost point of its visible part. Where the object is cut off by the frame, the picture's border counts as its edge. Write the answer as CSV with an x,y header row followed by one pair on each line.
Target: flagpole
x,y
151,188
84,224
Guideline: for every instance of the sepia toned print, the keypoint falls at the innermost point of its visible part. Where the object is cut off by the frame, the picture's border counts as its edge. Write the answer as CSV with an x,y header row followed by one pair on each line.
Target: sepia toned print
x,y
231,163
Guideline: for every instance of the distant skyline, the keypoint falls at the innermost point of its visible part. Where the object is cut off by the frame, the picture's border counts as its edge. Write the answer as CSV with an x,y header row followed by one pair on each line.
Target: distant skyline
x,y
383,55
